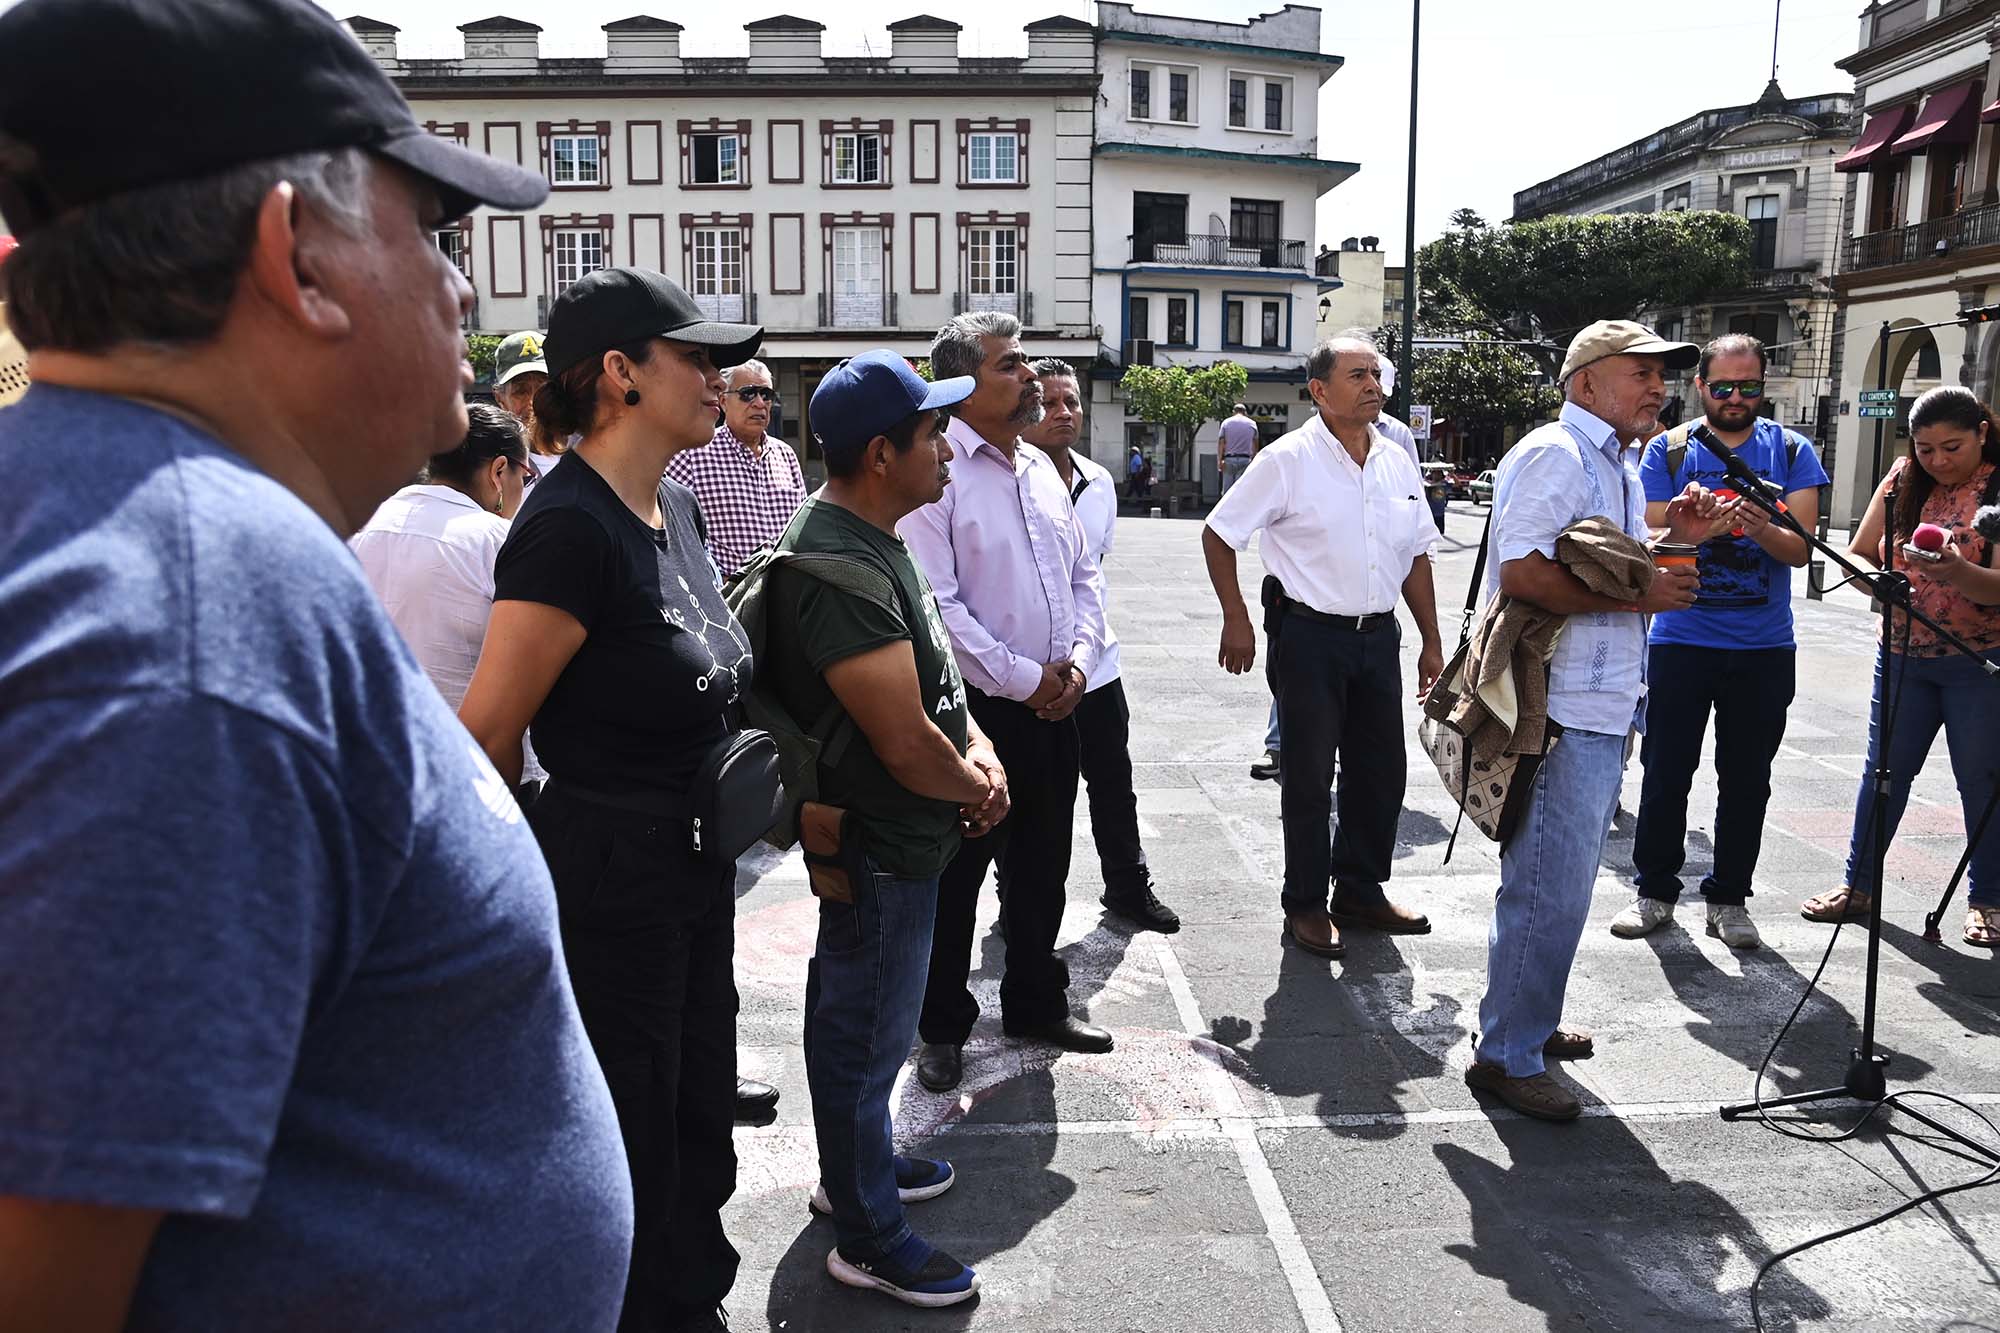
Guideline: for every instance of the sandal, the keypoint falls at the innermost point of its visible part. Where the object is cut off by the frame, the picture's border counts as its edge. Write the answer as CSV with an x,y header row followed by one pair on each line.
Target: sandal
x,y
1982,927
1838,905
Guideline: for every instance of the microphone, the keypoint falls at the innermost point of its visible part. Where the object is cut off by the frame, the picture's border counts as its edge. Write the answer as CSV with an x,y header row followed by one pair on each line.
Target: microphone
x,y
1739,471
1987,522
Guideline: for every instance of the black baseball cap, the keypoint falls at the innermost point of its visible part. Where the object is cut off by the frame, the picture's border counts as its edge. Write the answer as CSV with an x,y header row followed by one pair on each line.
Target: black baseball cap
x,y
616,306
116,95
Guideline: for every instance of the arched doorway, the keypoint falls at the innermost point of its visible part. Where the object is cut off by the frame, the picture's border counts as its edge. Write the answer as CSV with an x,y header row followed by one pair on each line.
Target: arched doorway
x,y
1918,362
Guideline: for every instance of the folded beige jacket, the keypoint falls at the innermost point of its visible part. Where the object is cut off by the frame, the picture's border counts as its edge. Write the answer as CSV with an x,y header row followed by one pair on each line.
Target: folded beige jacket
x,y
1499,699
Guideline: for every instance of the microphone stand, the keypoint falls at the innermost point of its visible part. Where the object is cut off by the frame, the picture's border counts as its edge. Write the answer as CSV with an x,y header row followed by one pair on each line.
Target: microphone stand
x,y
1865,1081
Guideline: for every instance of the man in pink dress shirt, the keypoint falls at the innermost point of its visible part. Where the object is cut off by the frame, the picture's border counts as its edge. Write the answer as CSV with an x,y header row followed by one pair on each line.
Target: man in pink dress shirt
x,y
1017,587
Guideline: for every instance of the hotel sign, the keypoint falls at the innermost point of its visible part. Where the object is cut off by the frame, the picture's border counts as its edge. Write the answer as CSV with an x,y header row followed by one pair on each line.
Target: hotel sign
x,y
1762,157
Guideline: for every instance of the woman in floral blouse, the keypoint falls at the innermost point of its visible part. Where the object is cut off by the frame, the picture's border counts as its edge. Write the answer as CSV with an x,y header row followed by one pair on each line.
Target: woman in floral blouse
x,y
1955,441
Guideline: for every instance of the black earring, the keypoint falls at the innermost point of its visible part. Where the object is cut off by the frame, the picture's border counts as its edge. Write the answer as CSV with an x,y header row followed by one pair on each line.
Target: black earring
x,y
631,398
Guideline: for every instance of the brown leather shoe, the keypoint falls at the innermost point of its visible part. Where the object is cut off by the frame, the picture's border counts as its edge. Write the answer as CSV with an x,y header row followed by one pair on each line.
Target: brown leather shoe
x,y
1570,1044
1540,1096
1383,915
1314,932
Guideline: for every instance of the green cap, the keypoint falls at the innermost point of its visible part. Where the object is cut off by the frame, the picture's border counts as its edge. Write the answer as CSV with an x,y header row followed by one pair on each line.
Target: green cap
x,y
521,353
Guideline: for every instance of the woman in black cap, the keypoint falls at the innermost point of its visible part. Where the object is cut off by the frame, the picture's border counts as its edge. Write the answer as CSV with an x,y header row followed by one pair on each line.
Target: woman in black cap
x,y
609,634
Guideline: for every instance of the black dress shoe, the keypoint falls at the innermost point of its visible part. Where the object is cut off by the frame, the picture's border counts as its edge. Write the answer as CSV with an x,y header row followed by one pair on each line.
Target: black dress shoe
x,y
1266,769
754,1099
1069,1032
940,1065
1143,908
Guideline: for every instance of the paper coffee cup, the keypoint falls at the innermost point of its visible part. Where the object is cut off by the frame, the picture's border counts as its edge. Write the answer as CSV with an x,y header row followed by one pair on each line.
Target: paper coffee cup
x,y
1670,555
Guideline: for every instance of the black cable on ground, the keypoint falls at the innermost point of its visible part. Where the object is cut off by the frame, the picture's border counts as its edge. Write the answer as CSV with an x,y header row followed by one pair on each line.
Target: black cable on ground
x,y
1893,697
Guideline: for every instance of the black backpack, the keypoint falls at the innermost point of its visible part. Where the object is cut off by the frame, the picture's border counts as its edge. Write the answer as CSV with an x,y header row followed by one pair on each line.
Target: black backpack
x,y
802,747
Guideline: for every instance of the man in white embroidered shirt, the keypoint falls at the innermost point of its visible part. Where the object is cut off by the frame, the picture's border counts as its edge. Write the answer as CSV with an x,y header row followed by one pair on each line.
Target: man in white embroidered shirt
x,y
1345,530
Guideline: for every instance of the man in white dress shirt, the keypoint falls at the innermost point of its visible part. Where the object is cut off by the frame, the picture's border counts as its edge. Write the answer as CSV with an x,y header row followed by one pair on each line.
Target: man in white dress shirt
x,y
1103,718
1017,588
1346,529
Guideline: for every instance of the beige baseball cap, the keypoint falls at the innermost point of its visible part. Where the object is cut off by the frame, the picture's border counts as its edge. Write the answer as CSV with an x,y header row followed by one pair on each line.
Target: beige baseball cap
x,y
1617,337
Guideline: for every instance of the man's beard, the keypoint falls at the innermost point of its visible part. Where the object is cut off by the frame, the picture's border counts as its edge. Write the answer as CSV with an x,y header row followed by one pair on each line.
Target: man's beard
x,y
1716,417
1028,413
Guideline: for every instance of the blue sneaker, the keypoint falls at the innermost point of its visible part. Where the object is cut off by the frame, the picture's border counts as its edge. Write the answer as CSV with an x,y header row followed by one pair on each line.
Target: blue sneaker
x,y
914,1274
917,1179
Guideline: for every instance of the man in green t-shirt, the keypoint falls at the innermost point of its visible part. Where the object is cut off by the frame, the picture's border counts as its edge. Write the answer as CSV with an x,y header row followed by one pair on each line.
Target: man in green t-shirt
x,y
917,776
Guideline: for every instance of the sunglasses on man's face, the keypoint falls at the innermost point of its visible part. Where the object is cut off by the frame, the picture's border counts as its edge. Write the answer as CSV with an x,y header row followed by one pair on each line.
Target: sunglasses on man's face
x,y
1749,390
750,393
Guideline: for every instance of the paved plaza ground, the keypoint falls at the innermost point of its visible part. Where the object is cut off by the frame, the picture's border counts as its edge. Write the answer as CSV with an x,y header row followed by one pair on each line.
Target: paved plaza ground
x,y
1281,1142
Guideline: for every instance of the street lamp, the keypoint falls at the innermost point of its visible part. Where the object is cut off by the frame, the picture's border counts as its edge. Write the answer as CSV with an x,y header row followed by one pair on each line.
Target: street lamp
x,y
1405,373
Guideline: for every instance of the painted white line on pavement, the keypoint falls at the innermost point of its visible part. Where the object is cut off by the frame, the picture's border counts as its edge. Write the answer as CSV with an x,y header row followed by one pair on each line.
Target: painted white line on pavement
x,y
1206,1128
1315,1307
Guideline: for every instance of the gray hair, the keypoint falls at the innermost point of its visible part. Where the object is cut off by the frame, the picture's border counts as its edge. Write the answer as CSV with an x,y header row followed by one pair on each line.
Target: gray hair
x,y
729,375
160,264
1320,364
957,349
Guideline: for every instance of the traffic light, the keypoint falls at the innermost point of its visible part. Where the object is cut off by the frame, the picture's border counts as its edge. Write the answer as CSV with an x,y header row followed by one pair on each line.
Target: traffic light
x,y
1979,314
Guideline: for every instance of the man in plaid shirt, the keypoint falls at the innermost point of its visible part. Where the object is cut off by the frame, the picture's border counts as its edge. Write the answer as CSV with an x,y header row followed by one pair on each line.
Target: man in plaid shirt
x,y
747,481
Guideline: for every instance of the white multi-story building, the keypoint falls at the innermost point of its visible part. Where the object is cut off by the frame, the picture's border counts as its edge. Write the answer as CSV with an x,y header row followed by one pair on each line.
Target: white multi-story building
x,y
1205,178
1142,189
843,203
1770,162
1924,222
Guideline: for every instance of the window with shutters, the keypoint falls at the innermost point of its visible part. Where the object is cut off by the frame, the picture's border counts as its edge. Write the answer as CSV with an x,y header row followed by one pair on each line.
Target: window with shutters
x,y
857,159
718,272
454,244
1167,93
574,159
1762,211
993,268
857,277
717,159
578,251
993,158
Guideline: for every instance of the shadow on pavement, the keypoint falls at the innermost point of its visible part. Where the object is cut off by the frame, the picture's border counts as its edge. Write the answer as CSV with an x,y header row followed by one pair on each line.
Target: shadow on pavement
x,y
1639,1250
1009,1184
1814,1053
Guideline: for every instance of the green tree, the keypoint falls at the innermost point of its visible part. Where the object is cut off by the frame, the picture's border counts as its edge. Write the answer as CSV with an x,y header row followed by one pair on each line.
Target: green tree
x,y
481,348
1545,279
1467,219
1484,384
1183,399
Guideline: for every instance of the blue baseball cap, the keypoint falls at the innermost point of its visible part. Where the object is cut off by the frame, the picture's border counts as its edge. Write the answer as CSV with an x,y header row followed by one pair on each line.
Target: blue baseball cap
x,y
866,395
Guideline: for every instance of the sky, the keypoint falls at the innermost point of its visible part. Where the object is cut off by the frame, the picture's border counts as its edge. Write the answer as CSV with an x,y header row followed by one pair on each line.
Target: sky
x,y
1511,92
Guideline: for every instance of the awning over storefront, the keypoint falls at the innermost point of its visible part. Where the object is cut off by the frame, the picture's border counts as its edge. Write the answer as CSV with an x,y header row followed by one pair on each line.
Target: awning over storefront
x,y
1991,113
1949,117
1876,135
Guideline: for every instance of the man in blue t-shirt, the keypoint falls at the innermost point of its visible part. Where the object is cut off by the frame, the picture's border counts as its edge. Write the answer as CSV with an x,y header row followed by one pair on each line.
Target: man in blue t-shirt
x,y
1731,652
288,1041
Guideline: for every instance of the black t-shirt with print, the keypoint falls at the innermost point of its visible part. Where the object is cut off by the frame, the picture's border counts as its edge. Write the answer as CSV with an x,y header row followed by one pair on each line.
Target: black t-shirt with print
x,y
663,663
813,625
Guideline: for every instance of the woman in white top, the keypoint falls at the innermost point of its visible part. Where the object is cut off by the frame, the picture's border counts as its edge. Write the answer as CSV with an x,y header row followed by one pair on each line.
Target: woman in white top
x,y
428,551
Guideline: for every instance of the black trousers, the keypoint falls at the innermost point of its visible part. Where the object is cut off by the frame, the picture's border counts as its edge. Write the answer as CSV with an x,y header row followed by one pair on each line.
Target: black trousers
x,y
648,933
1032,847
1104,730
1750,691
1340,703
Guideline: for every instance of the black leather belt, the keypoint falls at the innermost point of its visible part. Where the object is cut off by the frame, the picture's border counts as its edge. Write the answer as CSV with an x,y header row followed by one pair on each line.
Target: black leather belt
x,y
1359,624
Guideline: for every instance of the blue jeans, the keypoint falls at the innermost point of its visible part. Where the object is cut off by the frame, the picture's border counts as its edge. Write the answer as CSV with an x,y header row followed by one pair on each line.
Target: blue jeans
x,y
1949,692
1547,871
864,988
1271,732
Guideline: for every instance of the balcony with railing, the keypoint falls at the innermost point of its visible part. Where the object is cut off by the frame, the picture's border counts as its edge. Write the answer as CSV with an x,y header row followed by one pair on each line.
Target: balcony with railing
x,y
1219,252
1934,239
